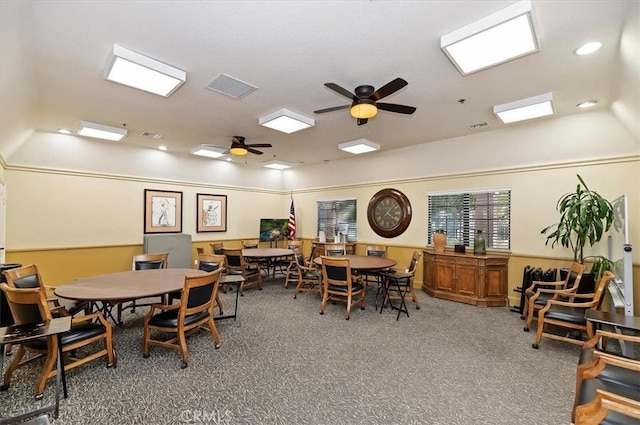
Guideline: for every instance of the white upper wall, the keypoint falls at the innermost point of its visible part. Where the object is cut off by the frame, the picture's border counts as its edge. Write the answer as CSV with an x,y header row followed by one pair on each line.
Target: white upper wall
x,y
17,79
626,106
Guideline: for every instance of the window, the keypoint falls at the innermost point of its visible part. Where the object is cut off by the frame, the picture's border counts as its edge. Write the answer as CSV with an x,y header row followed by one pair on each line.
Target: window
x,y
337,216
461,214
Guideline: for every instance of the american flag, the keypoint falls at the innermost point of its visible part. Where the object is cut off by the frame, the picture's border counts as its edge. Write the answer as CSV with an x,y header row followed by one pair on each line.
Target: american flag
x,y
292,223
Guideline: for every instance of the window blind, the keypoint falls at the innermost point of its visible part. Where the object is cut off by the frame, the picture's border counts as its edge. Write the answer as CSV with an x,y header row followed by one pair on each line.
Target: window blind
x,y
337,216
461,214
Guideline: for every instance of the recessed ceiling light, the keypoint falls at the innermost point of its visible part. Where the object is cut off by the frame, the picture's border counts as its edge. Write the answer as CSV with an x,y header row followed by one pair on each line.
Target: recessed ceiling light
x,y
101,131
286,121
209,151
525,109
163,148
492,40
587,104
277,165
64,131
588,48
359,146
141,72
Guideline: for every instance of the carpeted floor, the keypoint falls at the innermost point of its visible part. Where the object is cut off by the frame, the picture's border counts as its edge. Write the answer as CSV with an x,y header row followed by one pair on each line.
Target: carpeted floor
x,y
283,363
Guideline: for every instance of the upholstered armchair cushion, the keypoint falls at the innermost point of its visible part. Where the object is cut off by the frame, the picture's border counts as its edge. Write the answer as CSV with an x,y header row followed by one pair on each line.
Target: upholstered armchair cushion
x,y
79,332
169,319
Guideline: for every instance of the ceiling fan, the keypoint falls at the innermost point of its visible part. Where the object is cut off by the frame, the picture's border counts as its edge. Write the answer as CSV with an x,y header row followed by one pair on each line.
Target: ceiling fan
x,y
239,147
365,100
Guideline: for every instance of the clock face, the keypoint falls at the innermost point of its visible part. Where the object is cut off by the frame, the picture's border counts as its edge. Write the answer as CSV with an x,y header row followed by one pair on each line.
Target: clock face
x,y
389,213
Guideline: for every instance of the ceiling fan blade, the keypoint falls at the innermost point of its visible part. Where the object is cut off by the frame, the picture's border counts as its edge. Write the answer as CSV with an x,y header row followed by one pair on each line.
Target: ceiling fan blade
x,y
336,88
335,108
255,151
389,88
392,107
362,121
259,145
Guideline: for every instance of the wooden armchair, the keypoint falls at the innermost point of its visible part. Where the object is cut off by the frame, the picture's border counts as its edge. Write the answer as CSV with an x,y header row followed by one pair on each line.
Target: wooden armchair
x,y
29,277
194,309
338,284
401,281
291,274
145,262
236,265
607,384
217,248
570,315
210,263
29,305
538,293
335,249
309,280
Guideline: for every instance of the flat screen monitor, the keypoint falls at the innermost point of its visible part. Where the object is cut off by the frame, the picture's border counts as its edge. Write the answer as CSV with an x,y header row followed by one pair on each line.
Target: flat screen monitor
x,y
274,229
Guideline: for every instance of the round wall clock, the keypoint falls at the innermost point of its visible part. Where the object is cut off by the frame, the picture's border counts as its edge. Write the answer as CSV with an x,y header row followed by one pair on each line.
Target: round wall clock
x,y
389,213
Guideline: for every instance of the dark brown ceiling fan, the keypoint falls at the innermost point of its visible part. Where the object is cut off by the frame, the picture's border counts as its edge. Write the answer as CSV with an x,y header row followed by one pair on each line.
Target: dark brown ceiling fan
x,y
240,148
364,100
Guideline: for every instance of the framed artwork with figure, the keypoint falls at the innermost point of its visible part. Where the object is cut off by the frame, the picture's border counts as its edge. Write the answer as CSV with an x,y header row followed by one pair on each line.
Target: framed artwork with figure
x,y
162,211
212,213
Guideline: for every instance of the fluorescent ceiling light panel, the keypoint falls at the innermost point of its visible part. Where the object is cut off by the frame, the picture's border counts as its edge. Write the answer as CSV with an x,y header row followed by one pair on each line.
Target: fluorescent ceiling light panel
x,y
138,71
495,39
277,165
209,151
286,121
359,146
525,109
100,131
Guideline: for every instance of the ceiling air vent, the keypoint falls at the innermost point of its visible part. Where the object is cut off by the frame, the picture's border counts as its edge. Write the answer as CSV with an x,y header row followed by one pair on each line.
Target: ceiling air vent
x,y
478,126
231,86
151,135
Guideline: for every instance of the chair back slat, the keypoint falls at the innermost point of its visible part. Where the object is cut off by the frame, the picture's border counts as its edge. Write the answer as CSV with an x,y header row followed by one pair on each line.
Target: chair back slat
x,y
27,305
150,261
199,292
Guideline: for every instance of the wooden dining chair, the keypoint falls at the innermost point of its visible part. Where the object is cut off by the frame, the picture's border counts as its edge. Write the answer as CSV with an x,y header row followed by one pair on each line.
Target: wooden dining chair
x,y
217,248
538,293
236,265
29,305
309,280
210,263
570,315
145,262
29,277
339,285
376,251
185,317
335,249
291,273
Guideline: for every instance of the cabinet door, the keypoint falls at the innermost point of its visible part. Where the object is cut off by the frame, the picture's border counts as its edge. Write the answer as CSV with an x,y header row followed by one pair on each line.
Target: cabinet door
x,y
496,281
446,277
466,280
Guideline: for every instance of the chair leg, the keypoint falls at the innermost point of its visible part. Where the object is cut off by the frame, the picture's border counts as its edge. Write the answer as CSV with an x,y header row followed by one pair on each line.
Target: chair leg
x,y
214,332
47,368
17,358
539,330
323,304
219,304
414,298
182,342
348,306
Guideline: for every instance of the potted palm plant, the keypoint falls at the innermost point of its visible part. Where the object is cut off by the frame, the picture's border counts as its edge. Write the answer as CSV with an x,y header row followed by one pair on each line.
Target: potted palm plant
x,y
585,216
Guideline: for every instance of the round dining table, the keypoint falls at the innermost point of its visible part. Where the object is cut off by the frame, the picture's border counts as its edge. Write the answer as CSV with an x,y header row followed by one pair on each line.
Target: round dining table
x,y
363,263
126,286
269,257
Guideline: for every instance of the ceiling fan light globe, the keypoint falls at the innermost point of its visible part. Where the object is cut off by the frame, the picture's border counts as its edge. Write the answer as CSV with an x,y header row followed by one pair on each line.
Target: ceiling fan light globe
x,y
364,110
238,151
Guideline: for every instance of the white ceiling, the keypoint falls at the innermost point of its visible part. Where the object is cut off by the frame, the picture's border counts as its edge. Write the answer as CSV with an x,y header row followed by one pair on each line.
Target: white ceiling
x,y
289,49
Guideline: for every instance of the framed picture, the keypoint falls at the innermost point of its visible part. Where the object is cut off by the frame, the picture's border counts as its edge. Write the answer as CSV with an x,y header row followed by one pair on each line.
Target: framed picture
x,y
162,211
212,213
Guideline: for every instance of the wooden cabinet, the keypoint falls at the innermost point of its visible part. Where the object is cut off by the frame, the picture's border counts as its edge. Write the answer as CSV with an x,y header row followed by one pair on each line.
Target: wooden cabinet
x,y
473,279
319,248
